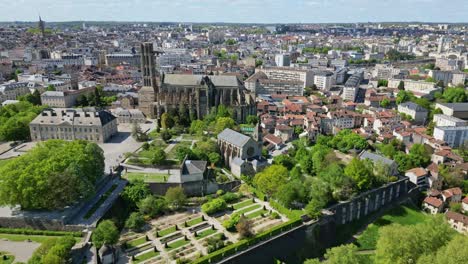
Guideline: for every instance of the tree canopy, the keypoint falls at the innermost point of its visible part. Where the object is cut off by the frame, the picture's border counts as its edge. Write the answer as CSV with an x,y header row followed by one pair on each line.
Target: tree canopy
x,y
15,119
269,180
52,175
106,233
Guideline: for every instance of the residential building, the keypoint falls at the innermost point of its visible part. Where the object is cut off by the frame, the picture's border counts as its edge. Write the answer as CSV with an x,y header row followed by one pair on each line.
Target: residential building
x,y
129,116
282,60
442,120
452,195
324,80
457,221
418,176
64,99
453,136
378,159
289,74
259,83
71,124
459,110
415,111
13,90
122,58
433,205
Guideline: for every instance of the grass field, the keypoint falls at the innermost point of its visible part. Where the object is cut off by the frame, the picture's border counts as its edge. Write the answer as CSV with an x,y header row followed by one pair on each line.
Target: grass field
x,y
177,244
146,177
206,233
242,204
167,231
402,215
145,256
6,258
172,152
256,213
38,239
135,242
248,209
4,162
195,221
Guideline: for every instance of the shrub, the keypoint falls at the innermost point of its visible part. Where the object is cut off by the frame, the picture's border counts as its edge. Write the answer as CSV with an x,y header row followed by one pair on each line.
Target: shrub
x,y
213,206
230,197
231,223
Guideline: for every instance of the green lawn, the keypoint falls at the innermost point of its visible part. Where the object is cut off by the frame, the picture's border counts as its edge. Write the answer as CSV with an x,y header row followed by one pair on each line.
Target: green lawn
x,y
195,221
38,239
402,215
248,209
206,233
145,256
242,204
146,177
167,231
136,242
256,213
177,244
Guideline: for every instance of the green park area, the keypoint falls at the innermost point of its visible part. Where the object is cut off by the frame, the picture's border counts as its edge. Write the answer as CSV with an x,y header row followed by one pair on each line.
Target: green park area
x,y
403,215
146,177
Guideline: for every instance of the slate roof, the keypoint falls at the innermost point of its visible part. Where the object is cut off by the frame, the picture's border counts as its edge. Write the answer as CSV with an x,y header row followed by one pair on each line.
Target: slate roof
x,y
194,166
233,137
375,158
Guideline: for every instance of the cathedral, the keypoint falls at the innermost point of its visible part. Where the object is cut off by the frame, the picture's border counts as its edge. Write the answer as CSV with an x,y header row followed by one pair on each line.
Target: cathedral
x,y
199,93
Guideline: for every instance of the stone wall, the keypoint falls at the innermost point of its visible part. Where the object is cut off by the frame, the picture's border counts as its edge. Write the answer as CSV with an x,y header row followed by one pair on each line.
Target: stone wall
x,y
368,202
198,188
37,223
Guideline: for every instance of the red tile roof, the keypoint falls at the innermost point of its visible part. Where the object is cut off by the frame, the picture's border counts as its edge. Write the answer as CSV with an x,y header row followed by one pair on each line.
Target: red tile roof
x,y
434,201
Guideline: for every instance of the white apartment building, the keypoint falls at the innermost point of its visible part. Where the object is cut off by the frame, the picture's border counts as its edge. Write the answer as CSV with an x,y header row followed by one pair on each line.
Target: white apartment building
x,y
282,60
289,74
453,136
63,99
349,93
441,120
416,112
324,80
72,124
416,87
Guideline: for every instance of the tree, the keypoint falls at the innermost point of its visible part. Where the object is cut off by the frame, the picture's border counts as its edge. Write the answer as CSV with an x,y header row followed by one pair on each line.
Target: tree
x,y
345,254
197,127
214,158
270,179
15,119
166,136
135,222
404,96
244,227
401,86
51,88
284,160
82,100
175,197
223,123
158,157
291,192
252,119
182,152
167,121
213,206
455,95
34,98
419,156
52,175
106,233
152,206
456,251
53,250
361,173
382,83
385,103
406,244
138,134
136,191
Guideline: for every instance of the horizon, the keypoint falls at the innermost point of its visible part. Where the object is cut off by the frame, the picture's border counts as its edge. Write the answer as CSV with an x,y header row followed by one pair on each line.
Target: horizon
x,y
238,11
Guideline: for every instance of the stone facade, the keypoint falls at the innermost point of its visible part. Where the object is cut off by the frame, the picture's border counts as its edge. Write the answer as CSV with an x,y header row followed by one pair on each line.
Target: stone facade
x,y
71,124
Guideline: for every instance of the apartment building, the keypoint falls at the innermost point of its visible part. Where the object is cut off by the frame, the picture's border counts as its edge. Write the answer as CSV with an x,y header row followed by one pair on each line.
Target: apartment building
x,y
13,90
63,99
453,136
289,74
448,121
416,112
324,80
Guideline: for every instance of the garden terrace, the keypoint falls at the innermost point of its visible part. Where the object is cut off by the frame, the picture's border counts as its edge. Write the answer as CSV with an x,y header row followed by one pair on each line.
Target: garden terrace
x,y
147,177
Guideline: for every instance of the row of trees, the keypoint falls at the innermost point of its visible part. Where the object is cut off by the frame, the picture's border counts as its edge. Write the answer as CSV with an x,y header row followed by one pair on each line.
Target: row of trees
x,y
52,175
429,242
53,250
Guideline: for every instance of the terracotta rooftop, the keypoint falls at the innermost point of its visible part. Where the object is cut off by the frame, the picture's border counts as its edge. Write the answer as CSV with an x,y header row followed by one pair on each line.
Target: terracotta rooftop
x,y
434,201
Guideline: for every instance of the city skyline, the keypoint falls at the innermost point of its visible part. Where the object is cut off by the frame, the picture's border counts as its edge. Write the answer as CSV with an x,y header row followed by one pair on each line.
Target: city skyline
x,y
237,11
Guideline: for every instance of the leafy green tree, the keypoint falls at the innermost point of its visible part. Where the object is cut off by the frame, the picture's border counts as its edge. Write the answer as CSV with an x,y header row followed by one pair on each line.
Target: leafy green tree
x,y
401,86
404,96
385,103
284,160
15,119
158,157
82,100
361,173
223,123
152,206
213,206
175,197
456,251
455,95
252,119
382,83
269,180
419,155
53,250
214,158
52,175
197,127
135,222
167,121
106,233
34,98
166,135
291,192
136,191
344,254
182,152
51,88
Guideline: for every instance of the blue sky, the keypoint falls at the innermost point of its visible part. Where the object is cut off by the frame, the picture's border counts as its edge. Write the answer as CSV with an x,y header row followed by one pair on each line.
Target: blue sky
x,y
256,11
